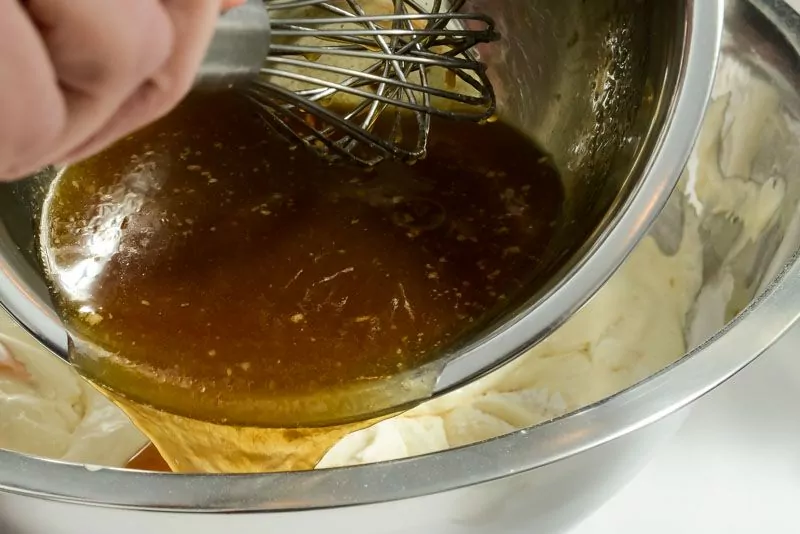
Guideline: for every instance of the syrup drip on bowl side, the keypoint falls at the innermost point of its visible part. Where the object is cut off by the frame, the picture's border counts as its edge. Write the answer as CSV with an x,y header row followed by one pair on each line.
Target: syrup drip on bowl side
x,y
237,298
148,459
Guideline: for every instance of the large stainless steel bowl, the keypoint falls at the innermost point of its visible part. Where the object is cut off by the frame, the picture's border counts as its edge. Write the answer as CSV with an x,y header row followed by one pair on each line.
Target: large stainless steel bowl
x,y
541,479
613,90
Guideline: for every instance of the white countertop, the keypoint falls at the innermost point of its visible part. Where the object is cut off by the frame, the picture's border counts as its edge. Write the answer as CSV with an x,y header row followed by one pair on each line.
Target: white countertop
x,y
733,468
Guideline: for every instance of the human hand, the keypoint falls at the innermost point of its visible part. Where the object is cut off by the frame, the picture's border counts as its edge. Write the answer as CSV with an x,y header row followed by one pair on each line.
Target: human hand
x,y
76,75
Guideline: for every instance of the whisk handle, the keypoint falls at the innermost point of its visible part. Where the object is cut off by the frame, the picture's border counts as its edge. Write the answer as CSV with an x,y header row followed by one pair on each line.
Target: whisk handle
x,y
239,48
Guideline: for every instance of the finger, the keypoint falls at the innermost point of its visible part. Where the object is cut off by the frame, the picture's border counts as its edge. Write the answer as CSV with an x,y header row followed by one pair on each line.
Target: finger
x,y
139,110
193,23
32,111
102,53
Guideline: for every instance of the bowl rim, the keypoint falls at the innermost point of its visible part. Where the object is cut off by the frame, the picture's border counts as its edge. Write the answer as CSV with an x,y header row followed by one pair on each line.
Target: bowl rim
x,y
751,333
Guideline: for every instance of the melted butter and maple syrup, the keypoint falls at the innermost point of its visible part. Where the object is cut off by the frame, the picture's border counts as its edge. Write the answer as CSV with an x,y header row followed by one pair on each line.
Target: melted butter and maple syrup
x,y
248,305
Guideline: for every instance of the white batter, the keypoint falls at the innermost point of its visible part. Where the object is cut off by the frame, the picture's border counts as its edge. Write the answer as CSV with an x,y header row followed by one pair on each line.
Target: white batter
x,y
47,410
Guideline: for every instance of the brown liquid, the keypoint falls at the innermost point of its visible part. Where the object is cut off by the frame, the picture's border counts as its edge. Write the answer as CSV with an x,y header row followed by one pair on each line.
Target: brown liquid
x,y
148,459
190,446
204,268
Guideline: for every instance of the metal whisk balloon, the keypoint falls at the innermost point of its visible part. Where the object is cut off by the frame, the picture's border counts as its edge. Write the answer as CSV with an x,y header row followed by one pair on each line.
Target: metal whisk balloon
x,y
357,79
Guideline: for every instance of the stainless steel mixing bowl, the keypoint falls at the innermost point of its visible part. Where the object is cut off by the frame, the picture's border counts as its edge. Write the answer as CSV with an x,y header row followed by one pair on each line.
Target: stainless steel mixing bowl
x,y
614,90
542,479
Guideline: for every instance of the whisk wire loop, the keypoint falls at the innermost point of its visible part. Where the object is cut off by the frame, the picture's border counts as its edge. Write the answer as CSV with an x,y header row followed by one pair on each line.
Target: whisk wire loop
x,y
360,79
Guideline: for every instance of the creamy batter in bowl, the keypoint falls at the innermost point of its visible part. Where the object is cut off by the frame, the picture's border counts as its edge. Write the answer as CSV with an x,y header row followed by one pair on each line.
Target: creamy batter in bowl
x,y
49,411
721,248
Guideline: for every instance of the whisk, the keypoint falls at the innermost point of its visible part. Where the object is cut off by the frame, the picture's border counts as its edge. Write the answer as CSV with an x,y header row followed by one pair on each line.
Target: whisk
x,y
358,80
